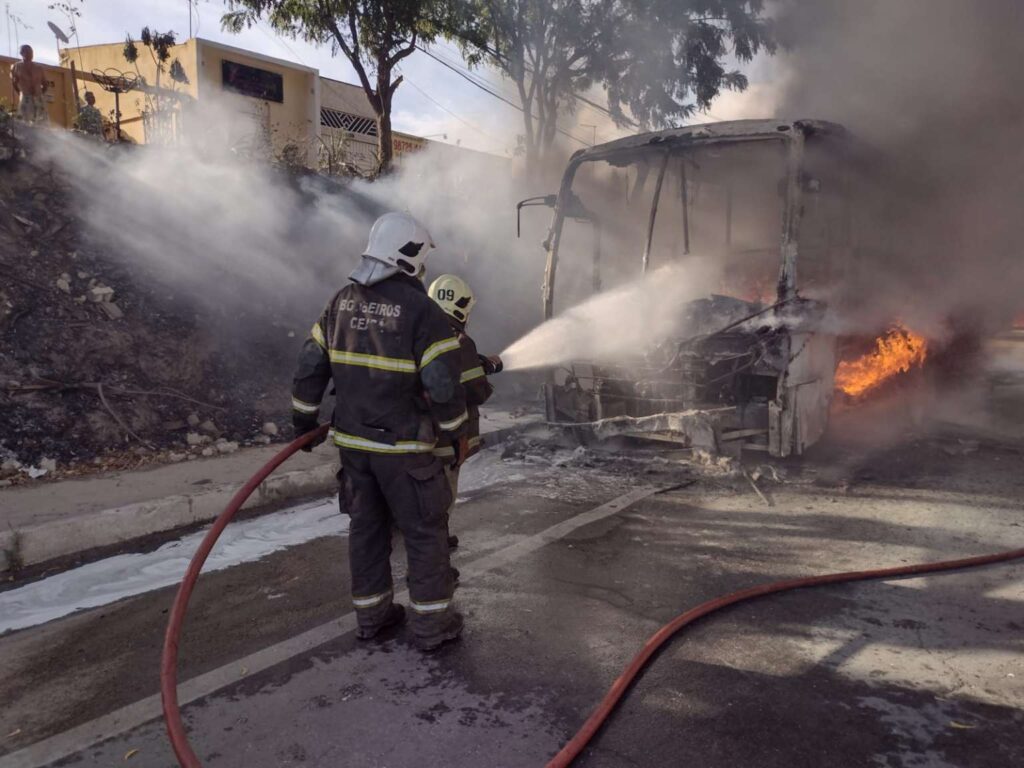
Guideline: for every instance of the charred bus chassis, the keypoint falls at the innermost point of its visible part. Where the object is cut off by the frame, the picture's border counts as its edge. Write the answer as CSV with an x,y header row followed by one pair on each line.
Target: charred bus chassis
x,y
754,368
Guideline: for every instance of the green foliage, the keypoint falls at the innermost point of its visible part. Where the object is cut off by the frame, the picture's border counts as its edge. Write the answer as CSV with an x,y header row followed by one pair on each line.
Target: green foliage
x,y
672,60
158,42
659,59
177,73
374,35
159,106
160,46
130,51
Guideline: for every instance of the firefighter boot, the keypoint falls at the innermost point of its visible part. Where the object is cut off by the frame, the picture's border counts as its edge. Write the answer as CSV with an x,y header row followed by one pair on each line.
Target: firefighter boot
x,y
394,616
446,629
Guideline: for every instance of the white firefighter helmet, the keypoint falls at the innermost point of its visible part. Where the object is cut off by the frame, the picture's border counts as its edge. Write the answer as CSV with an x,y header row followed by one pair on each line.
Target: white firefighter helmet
x,y
453,295
401,241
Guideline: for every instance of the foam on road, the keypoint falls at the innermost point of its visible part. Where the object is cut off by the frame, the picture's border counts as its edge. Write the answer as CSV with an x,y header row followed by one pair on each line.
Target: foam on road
x,y
114,578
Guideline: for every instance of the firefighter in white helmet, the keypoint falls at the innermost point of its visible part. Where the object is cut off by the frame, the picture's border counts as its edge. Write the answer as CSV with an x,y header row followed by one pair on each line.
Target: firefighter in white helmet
x,y
395,363
456,298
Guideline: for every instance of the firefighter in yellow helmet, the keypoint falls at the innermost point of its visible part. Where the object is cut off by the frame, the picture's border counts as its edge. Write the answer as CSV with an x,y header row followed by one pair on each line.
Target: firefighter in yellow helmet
x,y
456,298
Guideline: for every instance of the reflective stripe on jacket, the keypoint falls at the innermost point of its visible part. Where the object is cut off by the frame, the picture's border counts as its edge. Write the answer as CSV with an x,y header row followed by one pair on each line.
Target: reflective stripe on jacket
x,y
478,389
374,344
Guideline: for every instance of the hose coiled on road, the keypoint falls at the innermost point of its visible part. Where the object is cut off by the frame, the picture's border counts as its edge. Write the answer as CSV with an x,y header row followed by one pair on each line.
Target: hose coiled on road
x,y
572,749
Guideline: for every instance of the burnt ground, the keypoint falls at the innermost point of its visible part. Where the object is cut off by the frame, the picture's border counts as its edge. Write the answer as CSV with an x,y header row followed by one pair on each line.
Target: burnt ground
x,y
905,673
159,356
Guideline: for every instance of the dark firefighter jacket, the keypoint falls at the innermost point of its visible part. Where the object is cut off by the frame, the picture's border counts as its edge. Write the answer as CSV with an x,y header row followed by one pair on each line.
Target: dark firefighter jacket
x,y
474,371
385,347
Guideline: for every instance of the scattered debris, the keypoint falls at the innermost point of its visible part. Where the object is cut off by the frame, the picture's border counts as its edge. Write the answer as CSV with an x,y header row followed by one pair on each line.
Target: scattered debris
x,y
194,438
22,220
763,470
100,293
156,354
226,446
961,447
714,463
193,420
269,428
757,490
111,310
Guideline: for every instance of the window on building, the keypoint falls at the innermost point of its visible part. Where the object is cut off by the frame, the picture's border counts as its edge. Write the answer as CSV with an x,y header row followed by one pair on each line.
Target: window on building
x,y
251,81
335,118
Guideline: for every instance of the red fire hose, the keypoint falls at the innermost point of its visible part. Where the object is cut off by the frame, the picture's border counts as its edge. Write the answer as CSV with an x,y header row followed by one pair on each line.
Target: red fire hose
x,y
169,660
572,749
578,742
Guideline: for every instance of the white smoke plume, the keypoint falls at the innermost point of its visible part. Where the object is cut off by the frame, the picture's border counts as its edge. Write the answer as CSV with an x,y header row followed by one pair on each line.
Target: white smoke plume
x,y
619,323
936,89
265,250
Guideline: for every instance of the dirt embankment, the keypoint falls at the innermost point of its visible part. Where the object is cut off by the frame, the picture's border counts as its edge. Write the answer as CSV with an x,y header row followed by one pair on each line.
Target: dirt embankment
x,y
101,365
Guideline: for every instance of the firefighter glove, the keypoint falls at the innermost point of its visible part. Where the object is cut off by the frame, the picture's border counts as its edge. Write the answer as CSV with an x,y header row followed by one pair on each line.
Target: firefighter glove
x,y
461,448
492,364
301,427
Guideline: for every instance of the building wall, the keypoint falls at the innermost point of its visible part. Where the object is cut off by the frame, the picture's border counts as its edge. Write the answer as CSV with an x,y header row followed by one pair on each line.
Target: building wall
x,y
346,97
346,104
299,108
294,120
406,143
59,96
246,121
91,59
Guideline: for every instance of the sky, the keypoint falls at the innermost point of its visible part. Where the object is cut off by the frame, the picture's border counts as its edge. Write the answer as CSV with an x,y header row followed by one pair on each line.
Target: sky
x,y
432,101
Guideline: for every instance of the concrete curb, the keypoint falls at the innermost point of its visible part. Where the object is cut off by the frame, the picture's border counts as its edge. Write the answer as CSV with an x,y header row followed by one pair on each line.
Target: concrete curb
x,y
40,543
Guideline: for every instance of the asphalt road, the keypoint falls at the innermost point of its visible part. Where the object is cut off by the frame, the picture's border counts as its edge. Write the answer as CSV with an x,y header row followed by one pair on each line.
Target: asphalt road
x,y
906,673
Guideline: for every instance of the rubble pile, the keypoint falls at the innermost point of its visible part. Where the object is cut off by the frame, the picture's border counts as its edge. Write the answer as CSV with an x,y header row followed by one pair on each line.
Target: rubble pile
x,y
100,364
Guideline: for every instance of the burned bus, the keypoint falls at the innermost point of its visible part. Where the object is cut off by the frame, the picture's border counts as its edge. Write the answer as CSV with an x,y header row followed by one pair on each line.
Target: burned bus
x,y
752,367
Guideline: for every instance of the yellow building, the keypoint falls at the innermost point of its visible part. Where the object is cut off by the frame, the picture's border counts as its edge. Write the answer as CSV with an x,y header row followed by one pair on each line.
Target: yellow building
x,y
59,93
260,105
263,102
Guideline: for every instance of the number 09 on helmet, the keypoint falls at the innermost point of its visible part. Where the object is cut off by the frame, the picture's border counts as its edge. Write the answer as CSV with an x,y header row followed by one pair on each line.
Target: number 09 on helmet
x,y
454,296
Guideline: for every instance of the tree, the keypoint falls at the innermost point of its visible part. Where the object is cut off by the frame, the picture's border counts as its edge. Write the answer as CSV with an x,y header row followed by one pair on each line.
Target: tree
x,y
157,115
374,35
72,12
659,59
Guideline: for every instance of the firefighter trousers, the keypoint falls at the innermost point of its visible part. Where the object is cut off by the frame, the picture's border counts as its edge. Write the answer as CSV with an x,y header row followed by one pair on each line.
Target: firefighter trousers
x,y
411,491
452,477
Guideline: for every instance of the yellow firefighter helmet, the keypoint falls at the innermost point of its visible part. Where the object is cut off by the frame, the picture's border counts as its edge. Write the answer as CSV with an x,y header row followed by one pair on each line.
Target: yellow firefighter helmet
x,y
453,295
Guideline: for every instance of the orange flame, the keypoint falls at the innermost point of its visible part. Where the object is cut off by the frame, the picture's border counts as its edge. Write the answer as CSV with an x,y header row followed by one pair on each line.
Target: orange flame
x,y
896,352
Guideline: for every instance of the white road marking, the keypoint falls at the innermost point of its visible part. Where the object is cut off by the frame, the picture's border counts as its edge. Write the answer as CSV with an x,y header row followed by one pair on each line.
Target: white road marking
x,y
126,718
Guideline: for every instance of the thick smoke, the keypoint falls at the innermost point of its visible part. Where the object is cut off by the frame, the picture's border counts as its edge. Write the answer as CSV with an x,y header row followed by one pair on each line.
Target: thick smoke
x,y
936,89
618,323
264,250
